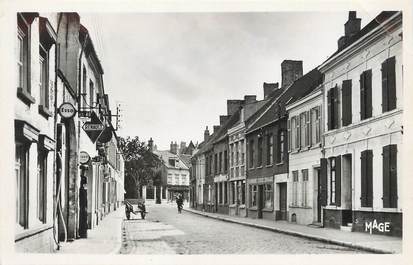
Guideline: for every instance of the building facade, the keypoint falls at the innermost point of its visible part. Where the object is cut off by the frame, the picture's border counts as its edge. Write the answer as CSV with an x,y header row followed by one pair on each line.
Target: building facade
x,y
362,94
59,89
304,138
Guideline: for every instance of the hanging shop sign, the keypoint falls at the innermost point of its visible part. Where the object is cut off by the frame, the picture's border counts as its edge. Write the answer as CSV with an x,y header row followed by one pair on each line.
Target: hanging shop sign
x,y
106,135
83,157
67,110
96,159
94,127
84,114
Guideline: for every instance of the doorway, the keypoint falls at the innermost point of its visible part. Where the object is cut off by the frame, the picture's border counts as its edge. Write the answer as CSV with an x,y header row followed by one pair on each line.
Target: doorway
x,y
317,177
260,200
283,201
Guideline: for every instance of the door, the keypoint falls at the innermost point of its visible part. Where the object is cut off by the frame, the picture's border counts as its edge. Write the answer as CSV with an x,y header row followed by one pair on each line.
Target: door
x,y
283,201
260,200
216,197
317,172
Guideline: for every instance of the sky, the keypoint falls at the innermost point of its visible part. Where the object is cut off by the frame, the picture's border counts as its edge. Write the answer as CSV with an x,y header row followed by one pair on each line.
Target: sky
x,y
172,73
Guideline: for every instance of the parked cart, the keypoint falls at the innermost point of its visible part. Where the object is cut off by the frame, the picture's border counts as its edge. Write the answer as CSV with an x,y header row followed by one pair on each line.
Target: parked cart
x,y
135,206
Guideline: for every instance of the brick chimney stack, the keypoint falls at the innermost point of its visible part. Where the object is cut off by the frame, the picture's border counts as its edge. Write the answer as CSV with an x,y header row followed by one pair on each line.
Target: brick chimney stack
x,y
206,134
250,99
351,28
223,119
174,148
150,144
233,105
268,88
290,71
216,128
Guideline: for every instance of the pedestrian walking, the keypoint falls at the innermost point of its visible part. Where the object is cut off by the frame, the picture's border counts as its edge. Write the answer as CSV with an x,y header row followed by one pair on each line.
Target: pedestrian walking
x,y
179,202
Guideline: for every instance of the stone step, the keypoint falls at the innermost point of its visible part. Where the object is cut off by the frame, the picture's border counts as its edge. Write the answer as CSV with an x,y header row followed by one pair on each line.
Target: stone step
x,y
345,228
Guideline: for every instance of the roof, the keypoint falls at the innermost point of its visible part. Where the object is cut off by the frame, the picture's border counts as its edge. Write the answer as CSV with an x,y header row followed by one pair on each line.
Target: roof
x,y
166,155
186,159
275,108
90,48
377,21
222,132
307,93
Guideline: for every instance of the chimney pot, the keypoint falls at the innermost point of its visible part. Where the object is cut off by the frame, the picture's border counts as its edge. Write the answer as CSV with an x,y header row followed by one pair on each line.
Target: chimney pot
x,y
250,99
233,105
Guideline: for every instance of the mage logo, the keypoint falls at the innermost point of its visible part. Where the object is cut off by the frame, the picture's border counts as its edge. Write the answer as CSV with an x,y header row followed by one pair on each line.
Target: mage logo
x,y
382,227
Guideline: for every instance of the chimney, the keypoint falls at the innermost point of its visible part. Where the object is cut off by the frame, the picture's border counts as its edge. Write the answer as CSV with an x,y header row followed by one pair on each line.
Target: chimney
x,y
290,71
250,99
351,28
174,147
216,128
150,144
206,134
233,105
223,119
268,88
182,147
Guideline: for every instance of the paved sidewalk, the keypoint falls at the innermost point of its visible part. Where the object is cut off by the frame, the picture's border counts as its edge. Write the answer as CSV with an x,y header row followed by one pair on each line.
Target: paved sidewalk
x,y
362,241
106,238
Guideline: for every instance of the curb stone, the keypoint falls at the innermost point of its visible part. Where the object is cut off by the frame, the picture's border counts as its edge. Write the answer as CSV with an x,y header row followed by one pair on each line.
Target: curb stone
x,y
295,233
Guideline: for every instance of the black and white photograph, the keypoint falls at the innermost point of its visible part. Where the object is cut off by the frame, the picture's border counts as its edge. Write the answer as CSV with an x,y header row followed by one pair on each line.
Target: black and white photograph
x,y
136,133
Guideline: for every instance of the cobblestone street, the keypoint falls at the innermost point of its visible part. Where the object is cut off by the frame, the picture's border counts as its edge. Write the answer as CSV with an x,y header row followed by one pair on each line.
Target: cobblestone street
x,y
167,232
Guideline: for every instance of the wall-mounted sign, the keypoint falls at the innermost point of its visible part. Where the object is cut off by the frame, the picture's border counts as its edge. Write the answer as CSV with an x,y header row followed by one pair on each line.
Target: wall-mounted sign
x,y
67,110
93,128
84,114
106,135
96,159
83,157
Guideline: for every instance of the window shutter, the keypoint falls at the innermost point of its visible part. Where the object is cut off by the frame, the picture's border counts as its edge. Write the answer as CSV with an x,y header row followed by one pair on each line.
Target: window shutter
x,y
386,176
393,176
369,172
323,181
335,107
308,129
363,197
298,122
391,82
338,180
368,93
330,115
346,106
384,87
289,135
362,97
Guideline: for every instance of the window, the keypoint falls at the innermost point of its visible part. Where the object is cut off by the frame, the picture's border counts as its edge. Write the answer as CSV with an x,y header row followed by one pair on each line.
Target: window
x,y
304,173
216,163
253,201
242,152
315,125
297,132
243,192
220,162
388,81
390,176
91,93
232,154
42,185
220,192
83,94
251,158
22,173
333,180
209,193
346,99
295,188
365,95
237,153
207,166
177,179
170,179
171,162
183,179
332,108
303,127
23,53
44,77
281,146
225,192
367,178
259,160
225,161
270,148
233,194
268,196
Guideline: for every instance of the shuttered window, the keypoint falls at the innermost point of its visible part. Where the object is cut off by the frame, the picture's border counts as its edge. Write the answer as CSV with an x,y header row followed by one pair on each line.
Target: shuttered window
x,y
323,181
332,108
365,95
307,129
303,129
366,178
390,176
289,134
346,100
388,79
